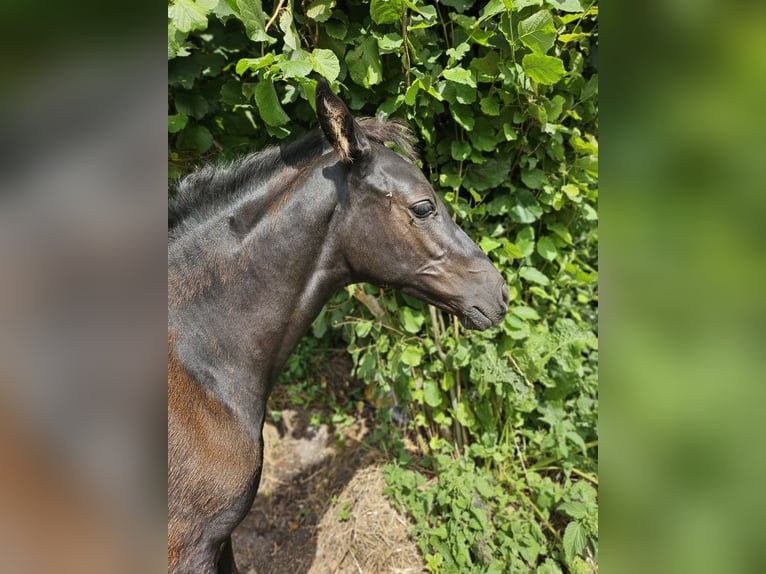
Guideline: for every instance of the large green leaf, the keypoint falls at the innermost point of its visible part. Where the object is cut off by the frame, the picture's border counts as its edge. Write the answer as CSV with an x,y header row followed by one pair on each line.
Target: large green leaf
x,y
526,208
268,104
492,173
187,15
432,393
326,63
197,136
320,10
177,122
298,66
290,35
465,415
254,64
525,240
254,18
547,248
386,11
412,355
460,75
543,69
534,276
191,105
567,5
364,63
574,539
411,320
537,32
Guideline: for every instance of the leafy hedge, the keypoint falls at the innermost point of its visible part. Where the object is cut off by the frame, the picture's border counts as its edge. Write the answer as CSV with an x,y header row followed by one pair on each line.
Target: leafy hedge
x,y
504,99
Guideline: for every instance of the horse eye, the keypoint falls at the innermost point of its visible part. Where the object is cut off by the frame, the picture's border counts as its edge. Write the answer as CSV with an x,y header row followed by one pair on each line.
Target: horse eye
x,y
423,208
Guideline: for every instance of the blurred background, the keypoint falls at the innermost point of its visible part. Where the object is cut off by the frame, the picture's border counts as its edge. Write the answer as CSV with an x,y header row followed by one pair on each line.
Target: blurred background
x,y
82,288
682,274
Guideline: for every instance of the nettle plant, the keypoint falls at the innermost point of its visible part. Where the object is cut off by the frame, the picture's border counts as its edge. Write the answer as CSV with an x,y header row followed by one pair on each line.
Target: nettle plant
x,y
503,96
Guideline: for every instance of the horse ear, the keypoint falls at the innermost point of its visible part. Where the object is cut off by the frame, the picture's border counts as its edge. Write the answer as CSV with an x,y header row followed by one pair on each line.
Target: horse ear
x,y
339,126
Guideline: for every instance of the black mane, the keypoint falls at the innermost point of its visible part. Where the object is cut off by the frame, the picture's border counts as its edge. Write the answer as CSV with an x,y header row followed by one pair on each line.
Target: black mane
x,y
209,188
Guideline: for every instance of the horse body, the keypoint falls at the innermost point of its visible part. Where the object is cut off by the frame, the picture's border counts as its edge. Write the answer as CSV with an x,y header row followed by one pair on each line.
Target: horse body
x,y
250,271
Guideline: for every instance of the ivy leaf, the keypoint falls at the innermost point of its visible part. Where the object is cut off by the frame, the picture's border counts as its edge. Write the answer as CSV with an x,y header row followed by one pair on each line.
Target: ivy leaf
x,y
326,63
537,32
386,11
364,63
187,15
268,104
543,69
574,540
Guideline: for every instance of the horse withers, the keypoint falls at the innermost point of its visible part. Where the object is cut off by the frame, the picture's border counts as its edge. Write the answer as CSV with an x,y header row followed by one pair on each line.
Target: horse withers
x,y
255,249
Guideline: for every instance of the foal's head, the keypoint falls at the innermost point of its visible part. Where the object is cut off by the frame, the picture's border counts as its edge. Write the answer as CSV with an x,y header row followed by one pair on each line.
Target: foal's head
x,y
396,231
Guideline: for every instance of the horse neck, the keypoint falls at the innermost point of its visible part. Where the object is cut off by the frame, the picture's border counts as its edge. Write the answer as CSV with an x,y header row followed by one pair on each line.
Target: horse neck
x,y
239,307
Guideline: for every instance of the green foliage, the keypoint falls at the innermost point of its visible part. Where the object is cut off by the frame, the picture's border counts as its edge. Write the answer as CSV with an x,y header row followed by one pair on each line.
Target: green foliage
x,y
475,520
504,98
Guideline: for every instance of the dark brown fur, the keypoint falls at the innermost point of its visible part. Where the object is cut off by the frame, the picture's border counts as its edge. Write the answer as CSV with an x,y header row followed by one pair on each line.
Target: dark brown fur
x,y
204,435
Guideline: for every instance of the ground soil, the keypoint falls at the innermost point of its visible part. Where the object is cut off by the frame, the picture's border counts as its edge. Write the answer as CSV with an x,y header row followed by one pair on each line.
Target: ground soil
x,y
320,506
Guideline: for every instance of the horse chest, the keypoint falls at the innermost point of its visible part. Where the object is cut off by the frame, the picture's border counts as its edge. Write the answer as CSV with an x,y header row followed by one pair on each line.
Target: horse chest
x,y
210,455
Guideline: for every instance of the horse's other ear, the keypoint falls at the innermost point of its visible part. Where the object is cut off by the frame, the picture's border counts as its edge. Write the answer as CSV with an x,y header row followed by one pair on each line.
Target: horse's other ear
x,y
339,126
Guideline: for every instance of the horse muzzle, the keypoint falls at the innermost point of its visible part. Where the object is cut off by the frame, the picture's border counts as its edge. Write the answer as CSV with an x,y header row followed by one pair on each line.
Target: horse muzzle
x,y
485,311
